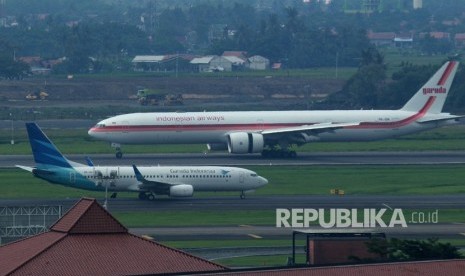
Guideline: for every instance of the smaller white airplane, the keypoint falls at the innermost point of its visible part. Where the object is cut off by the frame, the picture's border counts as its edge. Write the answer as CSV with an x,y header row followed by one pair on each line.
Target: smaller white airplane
x,y
174,181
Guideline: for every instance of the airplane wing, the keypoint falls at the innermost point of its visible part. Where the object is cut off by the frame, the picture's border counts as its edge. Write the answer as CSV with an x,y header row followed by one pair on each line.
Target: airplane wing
x,y
150,184
312,129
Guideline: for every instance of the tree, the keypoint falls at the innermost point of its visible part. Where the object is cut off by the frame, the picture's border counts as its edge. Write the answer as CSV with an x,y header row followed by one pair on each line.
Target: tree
x,y
405,83
409,250
364,87
9,67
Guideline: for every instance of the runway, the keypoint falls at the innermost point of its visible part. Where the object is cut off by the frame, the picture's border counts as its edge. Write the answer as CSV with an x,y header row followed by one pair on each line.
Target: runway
x,y
261,202
224,159
252,203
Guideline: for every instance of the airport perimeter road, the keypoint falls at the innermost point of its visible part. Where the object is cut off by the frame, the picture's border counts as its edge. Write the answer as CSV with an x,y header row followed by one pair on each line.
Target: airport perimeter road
x,y
224,159
260,202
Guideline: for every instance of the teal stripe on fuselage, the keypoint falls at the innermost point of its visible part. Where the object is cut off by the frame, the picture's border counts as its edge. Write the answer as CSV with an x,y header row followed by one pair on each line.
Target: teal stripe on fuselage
x,y
68,177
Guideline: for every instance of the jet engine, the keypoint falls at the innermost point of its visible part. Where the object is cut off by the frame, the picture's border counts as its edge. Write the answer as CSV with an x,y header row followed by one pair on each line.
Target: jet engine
x,y
243,142
181,190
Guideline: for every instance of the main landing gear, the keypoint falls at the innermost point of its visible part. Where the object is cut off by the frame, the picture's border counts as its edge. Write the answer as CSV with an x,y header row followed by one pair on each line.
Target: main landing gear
x,y
119,153
146,196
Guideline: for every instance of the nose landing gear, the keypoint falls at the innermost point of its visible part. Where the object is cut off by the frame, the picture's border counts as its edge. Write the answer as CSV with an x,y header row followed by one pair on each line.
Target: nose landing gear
x,y
117,147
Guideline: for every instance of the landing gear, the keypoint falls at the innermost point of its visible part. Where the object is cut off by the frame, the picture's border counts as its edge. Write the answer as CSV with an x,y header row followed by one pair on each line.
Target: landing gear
x,y
279,153
113,195
119,153
146,196
242,195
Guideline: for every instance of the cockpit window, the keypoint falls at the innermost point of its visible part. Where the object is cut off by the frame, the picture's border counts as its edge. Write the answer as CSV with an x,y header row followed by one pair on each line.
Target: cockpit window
x,y
253,175
100,125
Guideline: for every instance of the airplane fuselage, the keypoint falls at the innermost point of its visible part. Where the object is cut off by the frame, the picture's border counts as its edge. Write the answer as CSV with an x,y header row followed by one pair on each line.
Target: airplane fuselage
x,y
273,132
122,178
214,127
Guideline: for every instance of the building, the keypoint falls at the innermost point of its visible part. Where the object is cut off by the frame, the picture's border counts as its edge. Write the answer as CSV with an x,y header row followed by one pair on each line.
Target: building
x,y
236,63
220,63
336,246
88,240
162,63
403,41
459,40
382,39
259,63
201,64
437,35
147,63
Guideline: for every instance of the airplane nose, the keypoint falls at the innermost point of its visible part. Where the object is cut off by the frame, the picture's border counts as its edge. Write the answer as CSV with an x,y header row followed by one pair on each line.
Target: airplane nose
x,y
92,132
263,181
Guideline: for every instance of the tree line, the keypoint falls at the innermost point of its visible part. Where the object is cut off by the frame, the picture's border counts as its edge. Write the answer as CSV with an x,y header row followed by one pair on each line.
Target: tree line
x,y
104,35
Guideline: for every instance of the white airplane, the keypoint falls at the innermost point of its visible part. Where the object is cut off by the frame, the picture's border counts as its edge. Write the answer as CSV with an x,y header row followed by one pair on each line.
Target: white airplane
x,y
174,181
273,132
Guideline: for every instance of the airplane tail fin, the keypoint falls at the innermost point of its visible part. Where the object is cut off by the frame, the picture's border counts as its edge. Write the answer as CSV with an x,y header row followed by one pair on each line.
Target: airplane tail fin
x,y
44,151
432,95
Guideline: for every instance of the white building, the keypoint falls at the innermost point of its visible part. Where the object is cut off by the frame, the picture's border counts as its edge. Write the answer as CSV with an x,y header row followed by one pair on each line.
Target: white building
x,y
259,63
147,63
220,63
202,64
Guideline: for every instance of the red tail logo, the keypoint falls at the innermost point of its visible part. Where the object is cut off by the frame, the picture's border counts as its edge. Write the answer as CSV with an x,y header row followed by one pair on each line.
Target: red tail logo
x,y
436,90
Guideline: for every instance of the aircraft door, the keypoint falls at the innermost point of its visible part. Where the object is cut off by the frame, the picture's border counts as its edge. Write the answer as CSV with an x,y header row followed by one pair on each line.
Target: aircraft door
x,y
124,126
241,177
260,124
72,177
178,124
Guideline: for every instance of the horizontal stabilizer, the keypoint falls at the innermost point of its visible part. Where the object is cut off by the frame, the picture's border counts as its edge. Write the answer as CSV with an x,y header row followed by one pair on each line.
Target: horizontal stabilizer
x,y
36,171
443,117
29,169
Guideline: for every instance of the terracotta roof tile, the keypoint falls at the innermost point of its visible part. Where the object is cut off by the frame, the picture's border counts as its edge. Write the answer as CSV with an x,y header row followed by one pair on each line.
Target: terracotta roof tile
x,y
16,254
112,254
87,216
87,240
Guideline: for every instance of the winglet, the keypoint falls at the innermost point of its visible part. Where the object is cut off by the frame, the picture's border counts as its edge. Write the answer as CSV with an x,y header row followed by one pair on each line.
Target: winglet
x,y
89,162
432,95
44,151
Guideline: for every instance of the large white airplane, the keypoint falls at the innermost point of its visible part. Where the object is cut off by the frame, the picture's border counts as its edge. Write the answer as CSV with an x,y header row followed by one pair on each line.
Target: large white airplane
x,y
174,181
272,132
